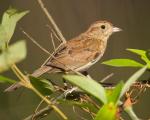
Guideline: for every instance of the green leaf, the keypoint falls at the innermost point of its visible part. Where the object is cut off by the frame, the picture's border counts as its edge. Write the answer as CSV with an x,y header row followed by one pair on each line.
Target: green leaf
x,y
137,51
9,21
143,54
148,54
131,80
14,54
107,112
42,85
131,113
88,85
115,94
146,60
4,79
3,37
85,105
123,63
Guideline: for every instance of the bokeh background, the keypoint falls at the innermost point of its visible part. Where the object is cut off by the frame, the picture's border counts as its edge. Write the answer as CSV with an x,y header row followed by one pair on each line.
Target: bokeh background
x,y
73,17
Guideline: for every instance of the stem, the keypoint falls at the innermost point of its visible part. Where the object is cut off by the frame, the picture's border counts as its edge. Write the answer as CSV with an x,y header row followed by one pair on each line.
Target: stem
x,y
27,84
51,21
18,73
131,113
40,114
50,104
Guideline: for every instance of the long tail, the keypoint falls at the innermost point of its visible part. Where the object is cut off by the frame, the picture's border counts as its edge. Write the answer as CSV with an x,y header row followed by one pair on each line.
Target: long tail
x,y
36,73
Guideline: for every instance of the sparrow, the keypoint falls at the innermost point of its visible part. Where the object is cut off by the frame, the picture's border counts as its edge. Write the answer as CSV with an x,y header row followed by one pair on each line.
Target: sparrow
x,y
79,53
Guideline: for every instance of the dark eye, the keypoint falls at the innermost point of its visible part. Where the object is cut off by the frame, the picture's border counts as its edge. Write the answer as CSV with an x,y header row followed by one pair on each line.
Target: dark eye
x,y
103,26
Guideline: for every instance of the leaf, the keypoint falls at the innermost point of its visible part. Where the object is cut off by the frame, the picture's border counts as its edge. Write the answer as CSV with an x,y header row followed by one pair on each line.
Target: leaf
x,y
131,80
9,21
115,94
123,63
4,79
42,85
107,112
3,37
14,54
144,55
137,51
88,85
148,54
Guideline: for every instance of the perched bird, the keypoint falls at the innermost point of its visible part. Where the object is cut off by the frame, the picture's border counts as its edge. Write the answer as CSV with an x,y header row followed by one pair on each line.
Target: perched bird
x,y
79,53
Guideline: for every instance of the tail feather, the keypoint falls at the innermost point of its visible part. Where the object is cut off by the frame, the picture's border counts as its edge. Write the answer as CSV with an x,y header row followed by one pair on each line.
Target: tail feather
x,y
36,73
13,87
41,71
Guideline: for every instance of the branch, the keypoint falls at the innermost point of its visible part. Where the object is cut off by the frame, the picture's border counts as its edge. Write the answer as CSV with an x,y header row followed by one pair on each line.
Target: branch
x,y
35,42
51,21
45,111
40,114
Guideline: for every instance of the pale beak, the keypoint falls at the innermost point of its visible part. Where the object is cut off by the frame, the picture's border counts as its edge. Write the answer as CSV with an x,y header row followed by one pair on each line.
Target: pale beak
x,y
116,29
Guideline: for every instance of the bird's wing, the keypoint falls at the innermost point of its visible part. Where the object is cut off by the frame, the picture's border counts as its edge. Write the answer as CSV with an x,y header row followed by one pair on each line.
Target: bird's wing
x,y
75,54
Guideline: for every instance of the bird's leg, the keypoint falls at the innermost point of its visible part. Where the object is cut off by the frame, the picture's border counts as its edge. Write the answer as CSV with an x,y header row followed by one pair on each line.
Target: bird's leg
x,y
65,84
85,73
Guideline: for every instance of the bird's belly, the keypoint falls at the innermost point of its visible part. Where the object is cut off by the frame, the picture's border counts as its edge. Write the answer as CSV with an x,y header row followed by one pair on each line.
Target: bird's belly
x,y
89,64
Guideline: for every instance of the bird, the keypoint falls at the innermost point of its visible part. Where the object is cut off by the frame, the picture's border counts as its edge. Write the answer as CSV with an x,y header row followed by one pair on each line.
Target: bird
x,y
80,53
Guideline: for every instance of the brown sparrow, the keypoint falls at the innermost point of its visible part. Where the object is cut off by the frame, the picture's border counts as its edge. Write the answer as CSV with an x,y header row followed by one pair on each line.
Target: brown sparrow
x,y
79,53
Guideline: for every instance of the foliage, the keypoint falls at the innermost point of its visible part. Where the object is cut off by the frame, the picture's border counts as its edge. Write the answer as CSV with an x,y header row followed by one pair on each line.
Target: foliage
x,y
89,95
112,103
43,86
16,52
143,54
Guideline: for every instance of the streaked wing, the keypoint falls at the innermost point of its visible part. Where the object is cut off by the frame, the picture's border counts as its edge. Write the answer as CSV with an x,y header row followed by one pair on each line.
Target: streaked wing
x,y
76,54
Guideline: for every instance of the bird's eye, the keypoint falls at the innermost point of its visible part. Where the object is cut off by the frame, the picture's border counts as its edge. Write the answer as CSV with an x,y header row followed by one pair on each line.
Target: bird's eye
x,y
103,26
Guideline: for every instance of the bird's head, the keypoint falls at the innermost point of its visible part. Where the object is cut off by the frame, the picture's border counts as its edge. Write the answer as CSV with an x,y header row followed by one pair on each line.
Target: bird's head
x,y
102,30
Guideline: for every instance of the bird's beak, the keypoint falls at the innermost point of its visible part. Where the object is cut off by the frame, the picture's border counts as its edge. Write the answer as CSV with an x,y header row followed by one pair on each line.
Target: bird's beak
x,y
116,29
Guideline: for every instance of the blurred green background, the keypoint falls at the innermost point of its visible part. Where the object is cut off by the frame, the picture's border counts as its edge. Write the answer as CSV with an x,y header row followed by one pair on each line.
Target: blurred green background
x,y
74,17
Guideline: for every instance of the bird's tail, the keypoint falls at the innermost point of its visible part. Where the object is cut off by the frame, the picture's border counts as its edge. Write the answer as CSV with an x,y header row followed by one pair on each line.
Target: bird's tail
x,y
40,71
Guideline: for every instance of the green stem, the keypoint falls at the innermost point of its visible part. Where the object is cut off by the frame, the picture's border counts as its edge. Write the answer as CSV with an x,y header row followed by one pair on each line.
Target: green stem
x,y
27,84
50,104
131,113
18,73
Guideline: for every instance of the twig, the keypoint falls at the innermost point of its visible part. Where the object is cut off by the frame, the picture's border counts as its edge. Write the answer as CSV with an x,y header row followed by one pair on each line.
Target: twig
x,y
53,43
34,41
36,110
54,33
51,20
50,103
107,77
51,55
78,115
45,111
40,114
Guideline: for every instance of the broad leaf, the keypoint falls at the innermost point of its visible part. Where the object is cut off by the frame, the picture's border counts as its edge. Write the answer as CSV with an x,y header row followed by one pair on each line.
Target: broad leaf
x,y
137,51
4,79
42,85
123,63
107,112
146,60
88,85
14,54
144,55
9,21
115,94
148,54
3,37
131,80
